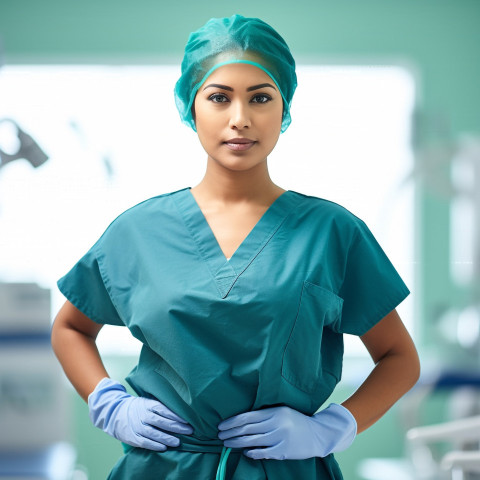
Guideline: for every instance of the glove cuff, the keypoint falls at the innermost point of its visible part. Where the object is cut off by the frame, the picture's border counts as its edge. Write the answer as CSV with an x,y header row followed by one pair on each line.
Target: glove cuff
x,y
338,419
346,415
104,385
103,400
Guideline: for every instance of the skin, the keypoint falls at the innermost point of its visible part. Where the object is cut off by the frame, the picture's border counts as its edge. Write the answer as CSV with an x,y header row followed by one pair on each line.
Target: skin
x,y
236,189
73,341
234,193
397,369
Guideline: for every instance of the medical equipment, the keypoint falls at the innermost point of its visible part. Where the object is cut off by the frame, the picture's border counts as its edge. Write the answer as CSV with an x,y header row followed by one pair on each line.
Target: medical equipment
x,y
136,421
426,447
34,409
234,40
449,170
463,436
28,148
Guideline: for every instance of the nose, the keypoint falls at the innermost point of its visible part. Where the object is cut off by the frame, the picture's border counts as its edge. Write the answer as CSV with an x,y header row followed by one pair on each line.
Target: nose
x,y
239,116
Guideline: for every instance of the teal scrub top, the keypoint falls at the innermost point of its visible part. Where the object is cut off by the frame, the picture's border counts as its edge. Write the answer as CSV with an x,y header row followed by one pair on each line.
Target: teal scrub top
x,y
222,337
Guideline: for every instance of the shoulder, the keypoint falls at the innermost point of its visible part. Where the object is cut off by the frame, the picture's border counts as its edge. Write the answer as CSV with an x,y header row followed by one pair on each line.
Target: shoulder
x,y
153,210
321,211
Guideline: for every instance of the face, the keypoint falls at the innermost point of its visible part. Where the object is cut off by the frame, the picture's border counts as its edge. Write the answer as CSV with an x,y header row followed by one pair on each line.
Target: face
x,y
238,116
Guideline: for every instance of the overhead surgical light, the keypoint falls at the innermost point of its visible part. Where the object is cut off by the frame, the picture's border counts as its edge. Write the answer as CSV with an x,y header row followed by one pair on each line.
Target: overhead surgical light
x,y
28,148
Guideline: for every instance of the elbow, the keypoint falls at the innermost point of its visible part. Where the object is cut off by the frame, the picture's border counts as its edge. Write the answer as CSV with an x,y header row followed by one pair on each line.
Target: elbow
x,y
55,335
408,367
414,368
59,333
418,369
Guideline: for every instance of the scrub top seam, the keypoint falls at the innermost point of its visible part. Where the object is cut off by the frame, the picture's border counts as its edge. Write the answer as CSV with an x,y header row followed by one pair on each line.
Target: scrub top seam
x,y
265,241
106,282
225,283
267,237
392,303
78,303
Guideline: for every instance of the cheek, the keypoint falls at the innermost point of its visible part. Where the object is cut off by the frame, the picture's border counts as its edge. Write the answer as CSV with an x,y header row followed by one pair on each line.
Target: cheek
x,y
207,125
274,117
272,122
205,119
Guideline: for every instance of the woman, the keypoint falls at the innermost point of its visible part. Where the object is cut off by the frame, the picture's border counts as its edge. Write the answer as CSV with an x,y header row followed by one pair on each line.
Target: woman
x,y
240,292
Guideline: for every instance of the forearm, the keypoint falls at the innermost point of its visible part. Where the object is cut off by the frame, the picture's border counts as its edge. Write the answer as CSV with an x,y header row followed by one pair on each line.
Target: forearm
x,y
79,357
391,378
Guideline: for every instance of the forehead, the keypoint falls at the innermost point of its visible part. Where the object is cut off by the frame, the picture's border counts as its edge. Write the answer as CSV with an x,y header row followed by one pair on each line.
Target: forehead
x,y
239,74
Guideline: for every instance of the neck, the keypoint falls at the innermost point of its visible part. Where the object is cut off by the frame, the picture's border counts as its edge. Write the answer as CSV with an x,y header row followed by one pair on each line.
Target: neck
x,y
228,187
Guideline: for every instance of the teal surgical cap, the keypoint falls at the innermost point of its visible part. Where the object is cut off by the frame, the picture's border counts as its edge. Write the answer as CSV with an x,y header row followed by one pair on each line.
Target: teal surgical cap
x,y
235,39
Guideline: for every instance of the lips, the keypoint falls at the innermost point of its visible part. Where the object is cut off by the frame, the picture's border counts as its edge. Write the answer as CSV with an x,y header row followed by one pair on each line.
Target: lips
x,y
239,144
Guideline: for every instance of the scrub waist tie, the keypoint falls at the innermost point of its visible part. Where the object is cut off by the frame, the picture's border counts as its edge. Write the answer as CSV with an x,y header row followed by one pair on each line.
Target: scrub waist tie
x,y
191,447
225,452
222,466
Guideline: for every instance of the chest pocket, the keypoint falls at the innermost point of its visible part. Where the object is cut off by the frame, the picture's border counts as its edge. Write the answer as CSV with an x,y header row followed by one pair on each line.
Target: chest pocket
x,y
312,359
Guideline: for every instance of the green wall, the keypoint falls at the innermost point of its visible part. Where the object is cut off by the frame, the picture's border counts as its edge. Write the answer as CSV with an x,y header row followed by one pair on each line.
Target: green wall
x,y
438,40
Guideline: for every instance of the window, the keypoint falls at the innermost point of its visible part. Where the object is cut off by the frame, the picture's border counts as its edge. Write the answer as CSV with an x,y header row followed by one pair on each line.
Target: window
x,y
114,138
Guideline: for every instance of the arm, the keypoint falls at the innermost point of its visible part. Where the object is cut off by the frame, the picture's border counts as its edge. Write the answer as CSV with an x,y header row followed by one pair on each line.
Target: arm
x,y
137,421
397,368
284,433
73,341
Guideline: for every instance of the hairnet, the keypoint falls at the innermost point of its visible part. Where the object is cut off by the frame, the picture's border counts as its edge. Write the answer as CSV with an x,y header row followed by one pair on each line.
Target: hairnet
x,y
235,39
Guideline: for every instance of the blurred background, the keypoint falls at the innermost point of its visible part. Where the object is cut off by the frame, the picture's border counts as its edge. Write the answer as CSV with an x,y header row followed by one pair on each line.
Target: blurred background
x,y
386,122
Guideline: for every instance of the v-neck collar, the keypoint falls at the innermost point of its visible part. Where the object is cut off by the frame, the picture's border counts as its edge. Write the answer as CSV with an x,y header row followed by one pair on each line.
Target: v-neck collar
x,y
225,272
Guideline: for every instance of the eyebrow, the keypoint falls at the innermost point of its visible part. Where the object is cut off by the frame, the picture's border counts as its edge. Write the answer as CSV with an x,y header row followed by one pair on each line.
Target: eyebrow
x,y
262,85
249,89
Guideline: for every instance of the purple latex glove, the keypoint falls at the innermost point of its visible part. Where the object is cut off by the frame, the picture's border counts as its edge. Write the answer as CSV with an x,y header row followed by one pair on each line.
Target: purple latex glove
x,y
284,433
137,421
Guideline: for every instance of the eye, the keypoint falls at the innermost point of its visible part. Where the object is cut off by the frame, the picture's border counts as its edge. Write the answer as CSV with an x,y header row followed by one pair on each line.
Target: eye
x,y
261,98
218,98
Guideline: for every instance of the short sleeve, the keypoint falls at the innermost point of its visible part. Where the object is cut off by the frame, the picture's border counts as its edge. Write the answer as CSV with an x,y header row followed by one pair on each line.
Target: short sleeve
x,y
371,286
85,288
